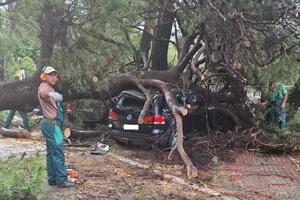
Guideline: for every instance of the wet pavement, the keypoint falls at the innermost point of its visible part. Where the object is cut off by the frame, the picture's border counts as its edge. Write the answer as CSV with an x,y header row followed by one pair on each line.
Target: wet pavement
x,y
19,147
250,176
261,176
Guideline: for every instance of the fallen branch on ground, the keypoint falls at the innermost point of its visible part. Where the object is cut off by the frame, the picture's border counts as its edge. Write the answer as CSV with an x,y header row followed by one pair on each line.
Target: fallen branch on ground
x,y
170,177
15,133
295,162
80,134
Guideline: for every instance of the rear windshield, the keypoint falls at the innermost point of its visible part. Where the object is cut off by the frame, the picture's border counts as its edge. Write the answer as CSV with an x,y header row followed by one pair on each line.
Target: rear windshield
x,y
130,102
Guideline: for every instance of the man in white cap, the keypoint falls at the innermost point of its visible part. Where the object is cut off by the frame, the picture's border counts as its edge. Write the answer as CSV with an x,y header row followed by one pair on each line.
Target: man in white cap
x,y
51,104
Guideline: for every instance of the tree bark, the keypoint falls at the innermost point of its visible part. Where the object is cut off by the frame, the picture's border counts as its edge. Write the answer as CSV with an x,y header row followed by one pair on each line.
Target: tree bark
x,y
80,134
47,22
162,33
18,95
22,95
294,98
145,44
15,133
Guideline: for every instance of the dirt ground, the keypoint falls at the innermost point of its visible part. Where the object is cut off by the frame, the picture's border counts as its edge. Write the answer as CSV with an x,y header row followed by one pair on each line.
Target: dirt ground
x,y
141,173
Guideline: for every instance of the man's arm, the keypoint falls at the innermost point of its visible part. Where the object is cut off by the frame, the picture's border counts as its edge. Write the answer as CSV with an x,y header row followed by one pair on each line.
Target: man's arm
x,y
44,94
284,100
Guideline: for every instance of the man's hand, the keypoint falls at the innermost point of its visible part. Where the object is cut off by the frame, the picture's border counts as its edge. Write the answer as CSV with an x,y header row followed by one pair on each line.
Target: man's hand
x,y
283,105
56,96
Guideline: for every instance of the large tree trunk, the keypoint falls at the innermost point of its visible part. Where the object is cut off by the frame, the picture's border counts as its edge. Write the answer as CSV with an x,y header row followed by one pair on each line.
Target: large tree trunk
x,y
15,133
19,95
294,98
47,21
145,44
147,35
162,33
23,94
81,134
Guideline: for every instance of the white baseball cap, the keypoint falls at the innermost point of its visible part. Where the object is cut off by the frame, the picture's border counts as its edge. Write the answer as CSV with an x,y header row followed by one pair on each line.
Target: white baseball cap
x,y
49,69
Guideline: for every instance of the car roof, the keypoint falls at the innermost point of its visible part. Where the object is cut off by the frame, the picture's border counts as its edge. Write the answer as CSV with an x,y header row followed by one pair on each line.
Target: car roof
x,y
136,95
133,93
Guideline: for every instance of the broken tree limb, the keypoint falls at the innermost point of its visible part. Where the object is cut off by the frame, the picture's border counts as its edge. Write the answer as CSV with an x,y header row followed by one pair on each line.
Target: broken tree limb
x,y
195,60
177,112
295,162
80,134
145,108
190,168
15,133
147,95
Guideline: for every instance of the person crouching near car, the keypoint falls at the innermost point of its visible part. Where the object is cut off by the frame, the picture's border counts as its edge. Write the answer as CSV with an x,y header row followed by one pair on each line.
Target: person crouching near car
x,y
52,110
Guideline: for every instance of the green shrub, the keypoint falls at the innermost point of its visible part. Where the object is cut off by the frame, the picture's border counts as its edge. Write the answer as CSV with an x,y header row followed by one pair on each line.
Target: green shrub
x,y
22,178
294,123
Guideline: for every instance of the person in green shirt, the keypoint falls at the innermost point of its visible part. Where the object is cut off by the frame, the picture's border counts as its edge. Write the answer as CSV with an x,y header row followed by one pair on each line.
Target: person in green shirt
x,y
277,98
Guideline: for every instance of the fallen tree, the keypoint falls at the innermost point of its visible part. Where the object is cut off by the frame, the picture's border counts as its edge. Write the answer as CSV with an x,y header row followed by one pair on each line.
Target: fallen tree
x,y
75,134
15,133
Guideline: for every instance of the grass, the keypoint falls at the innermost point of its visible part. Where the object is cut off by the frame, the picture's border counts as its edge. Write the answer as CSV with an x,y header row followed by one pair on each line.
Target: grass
x,y
22,178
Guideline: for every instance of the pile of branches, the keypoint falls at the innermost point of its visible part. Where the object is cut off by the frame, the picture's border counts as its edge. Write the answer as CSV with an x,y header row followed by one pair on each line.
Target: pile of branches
x,y
272,140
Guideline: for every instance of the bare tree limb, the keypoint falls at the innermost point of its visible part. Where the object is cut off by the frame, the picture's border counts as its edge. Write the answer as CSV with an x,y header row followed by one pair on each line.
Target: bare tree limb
x,y
217,10
196,58
177,113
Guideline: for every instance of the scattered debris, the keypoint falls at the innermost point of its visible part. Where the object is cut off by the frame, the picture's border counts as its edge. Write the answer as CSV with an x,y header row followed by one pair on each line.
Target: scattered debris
x,y
176,179
100,148
295,162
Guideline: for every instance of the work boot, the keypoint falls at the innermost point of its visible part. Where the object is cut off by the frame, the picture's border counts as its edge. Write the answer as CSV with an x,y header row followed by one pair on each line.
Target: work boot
x,y
66,184
51,183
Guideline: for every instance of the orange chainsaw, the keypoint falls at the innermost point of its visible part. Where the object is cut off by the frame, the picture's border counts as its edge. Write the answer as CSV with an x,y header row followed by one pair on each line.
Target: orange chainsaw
x,y
73,176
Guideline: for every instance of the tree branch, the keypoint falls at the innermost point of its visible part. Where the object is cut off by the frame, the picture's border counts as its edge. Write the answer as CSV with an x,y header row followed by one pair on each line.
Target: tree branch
x,y
217,10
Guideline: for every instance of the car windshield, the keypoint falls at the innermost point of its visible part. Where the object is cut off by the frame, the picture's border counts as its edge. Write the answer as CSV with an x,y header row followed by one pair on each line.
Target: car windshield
x,y
130,102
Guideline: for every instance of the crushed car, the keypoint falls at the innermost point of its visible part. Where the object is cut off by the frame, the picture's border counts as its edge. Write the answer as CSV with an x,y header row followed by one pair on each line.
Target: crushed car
x,y
159,124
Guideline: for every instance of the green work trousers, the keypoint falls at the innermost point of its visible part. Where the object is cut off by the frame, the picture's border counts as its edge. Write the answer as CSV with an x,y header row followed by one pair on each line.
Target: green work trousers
x,y
11,115
276,114
55,158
